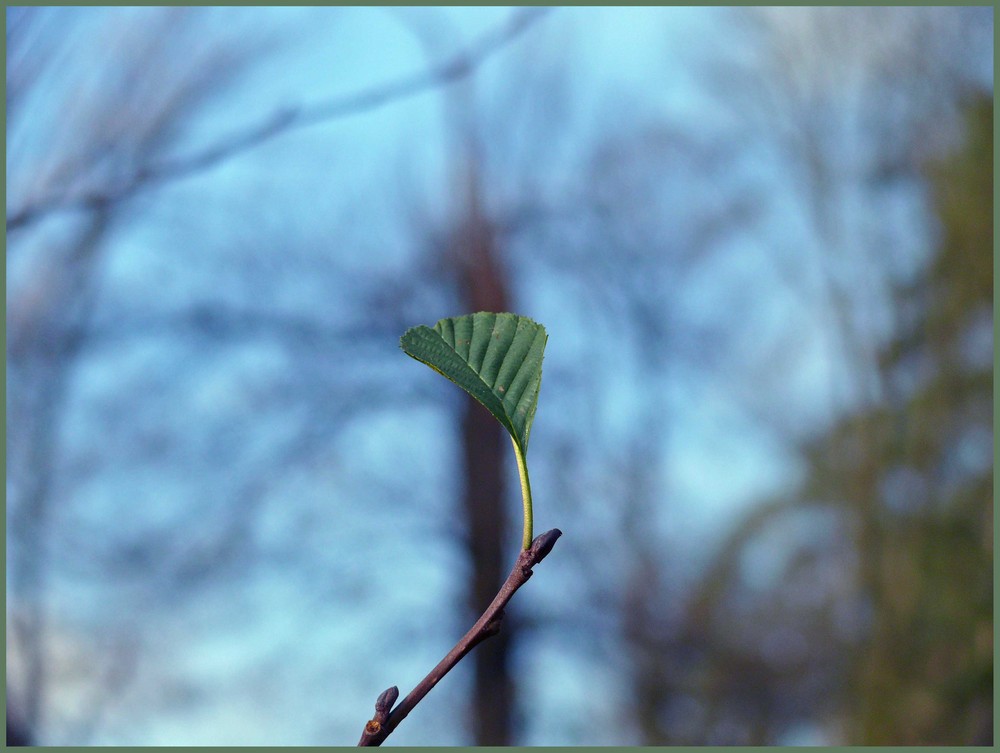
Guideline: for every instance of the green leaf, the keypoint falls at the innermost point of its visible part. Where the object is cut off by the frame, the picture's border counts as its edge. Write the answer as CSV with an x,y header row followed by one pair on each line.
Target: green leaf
x,y
496,358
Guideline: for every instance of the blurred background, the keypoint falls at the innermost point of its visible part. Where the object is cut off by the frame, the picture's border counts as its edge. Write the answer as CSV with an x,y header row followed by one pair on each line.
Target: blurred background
x,y
761,243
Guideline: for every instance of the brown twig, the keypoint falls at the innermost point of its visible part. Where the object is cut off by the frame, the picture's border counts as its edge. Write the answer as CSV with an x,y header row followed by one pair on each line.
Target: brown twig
x,y
462,64
384,722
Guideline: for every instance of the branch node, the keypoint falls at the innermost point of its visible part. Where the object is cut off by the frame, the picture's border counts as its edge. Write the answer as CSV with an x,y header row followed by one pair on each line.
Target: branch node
x,y
383,705
492,627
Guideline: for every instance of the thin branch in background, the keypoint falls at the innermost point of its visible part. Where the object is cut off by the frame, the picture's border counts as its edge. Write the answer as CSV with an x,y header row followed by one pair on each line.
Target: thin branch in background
x,y
384,722
459,66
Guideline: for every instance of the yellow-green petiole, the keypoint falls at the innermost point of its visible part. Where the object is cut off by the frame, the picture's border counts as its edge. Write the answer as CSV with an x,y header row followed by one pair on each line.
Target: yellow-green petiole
x,y
522,470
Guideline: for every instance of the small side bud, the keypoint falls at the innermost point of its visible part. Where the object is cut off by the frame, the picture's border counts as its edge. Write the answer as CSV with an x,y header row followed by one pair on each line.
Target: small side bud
x,y
383,705
543,544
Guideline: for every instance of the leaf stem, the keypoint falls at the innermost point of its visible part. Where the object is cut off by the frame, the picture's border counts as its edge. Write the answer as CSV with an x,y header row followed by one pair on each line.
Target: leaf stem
x,y
522,470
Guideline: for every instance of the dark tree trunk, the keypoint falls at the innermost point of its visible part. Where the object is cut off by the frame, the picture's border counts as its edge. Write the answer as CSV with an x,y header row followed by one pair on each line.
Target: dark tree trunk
x,y
17,735
483,288
483,498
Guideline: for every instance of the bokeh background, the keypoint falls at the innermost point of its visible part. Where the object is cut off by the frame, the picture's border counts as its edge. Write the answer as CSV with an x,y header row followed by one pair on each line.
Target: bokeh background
x,y
761,243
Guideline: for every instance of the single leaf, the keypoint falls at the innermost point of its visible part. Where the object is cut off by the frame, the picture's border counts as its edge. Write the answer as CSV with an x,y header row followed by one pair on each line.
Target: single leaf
x,y
496,358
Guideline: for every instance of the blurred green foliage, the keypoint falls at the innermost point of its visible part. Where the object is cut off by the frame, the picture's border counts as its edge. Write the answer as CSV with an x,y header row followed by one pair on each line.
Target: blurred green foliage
x,y
878,622
926,676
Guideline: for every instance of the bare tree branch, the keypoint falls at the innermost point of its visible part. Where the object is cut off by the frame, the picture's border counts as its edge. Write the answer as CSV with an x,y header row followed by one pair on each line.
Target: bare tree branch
x,y
384,722
459,66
